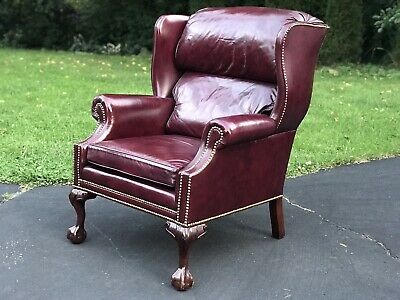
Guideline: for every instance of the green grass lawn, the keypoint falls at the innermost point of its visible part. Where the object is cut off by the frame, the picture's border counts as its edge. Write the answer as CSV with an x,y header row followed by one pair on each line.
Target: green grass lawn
x,y
45,101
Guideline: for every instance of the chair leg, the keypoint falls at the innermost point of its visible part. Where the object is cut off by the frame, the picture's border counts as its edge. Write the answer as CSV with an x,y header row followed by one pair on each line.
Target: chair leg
x,y
182,279
77,234
277,220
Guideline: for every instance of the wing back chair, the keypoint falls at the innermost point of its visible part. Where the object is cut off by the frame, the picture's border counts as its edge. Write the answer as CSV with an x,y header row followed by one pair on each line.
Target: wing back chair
x,y
231,86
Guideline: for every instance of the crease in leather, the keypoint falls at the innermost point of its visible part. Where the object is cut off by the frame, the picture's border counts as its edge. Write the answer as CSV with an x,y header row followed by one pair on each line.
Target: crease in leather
x,y
199,98
213,42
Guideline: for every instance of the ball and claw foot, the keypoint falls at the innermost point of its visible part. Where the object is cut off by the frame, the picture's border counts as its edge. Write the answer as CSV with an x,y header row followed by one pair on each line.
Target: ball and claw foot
x,y
182,279
76,234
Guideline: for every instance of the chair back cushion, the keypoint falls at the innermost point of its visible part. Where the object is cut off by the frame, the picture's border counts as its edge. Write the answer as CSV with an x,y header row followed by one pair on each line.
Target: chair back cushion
x,y
227,58
200,98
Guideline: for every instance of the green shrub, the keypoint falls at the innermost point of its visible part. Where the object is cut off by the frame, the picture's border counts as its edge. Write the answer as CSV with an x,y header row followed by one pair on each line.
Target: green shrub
x,y
129,23
317,8
344,40
195,5
37,23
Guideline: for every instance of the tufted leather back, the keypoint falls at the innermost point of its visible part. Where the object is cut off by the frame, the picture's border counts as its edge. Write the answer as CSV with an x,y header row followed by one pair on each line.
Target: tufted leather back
x,y
227,58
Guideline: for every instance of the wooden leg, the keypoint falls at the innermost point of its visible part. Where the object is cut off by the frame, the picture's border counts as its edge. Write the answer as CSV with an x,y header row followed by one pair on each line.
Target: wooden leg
x,y
182,279
77,234
277,221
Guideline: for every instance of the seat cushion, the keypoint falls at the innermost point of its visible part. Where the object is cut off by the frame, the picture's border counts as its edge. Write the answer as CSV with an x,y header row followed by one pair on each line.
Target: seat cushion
x,y
155,158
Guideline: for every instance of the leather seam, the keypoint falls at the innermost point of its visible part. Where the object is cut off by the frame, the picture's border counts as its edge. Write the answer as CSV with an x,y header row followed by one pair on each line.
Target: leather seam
x,y
95,185
127,204
126,173
133,157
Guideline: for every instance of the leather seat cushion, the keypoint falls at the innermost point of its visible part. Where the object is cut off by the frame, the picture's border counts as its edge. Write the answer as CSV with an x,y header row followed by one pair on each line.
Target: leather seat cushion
x,y
155,158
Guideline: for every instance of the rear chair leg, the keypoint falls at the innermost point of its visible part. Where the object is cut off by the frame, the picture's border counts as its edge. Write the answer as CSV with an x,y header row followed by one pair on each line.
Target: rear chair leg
x,y
77,234
182,279
277,221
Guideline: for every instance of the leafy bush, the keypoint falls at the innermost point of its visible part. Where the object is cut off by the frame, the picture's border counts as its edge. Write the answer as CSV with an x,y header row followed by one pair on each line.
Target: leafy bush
x,y
389,21
344,40
389,17
37,23
126,26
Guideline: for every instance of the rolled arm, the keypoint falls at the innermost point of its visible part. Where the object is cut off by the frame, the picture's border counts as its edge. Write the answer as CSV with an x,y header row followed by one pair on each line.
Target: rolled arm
x,y
122,116
241,128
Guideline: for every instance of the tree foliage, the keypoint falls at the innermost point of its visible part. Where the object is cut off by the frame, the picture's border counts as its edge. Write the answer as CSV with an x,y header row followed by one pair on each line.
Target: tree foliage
x,y
126,26
344,40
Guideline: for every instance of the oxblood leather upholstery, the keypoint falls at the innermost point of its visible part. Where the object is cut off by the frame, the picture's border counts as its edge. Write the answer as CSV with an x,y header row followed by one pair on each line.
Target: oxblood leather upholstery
x,y
230,87
157,158
200,98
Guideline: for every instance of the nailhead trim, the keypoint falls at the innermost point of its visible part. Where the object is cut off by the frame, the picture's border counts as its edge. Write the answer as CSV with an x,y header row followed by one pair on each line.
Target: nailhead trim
x,y
179,197
188,190
78,167
233,211
284,74
130,205
95,185
200,158
207,143
284,67
100,124
175,221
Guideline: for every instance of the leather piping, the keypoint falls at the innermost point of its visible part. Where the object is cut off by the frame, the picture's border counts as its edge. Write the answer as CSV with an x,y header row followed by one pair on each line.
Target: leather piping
x,y
132,157
134,176
95,185
126,204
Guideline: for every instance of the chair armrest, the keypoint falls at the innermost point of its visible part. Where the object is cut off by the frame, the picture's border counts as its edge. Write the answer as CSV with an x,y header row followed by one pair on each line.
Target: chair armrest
x,y
238,155
240,128
122,116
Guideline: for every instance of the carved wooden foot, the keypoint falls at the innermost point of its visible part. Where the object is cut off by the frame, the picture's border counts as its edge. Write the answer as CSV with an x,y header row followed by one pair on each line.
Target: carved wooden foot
x,y
182,279
277,221
77,234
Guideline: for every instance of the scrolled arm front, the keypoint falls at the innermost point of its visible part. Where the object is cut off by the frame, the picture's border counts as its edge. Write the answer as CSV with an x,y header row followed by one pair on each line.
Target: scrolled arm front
x,y
241,128
122,116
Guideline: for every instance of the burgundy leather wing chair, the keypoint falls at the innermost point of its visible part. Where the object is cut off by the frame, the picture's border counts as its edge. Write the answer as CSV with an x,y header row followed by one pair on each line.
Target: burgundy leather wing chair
x,y
231,86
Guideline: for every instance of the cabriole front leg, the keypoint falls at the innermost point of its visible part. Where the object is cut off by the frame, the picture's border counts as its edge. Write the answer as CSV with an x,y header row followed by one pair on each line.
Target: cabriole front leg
x,y
77,234
182,279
